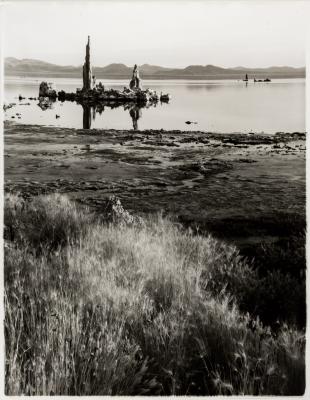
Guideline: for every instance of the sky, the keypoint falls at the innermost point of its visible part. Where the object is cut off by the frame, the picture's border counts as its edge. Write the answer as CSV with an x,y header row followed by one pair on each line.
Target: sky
x,y
251,33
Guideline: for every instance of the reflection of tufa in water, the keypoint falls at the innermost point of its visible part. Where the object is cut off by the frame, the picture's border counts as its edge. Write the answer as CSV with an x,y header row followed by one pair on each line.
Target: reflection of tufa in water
x,y
135,113
46,103
86,116
90,110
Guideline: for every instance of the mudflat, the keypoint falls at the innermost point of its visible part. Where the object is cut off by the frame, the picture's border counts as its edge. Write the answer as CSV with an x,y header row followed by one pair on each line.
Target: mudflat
x,y
245,188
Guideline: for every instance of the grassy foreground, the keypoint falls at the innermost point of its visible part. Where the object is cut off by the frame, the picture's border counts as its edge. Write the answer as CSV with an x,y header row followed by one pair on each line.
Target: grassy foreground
x,y
142,308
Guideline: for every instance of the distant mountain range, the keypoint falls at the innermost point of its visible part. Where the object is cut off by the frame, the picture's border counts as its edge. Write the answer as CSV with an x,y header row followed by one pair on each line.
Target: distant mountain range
x,y
29,67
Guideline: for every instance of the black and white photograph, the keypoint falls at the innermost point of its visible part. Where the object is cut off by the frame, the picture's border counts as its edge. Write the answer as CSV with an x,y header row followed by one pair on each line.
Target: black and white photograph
x,y
154,197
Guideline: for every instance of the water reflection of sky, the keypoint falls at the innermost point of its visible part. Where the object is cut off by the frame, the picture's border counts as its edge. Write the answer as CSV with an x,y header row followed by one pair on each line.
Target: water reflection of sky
x,y
224,106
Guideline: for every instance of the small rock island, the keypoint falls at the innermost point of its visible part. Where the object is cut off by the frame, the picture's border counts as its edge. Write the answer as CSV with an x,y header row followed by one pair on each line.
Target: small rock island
x,y
93,93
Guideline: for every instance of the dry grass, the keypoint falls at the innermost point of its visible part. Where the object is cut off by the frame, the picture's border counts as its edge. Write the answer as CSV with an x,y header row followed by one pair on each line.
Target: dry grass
x,y
125,310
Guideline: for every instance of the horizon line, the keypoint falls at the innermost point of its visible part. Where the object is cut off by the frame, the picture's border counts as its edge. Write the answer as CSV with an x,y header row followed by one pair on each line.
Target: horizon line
x,y
157,65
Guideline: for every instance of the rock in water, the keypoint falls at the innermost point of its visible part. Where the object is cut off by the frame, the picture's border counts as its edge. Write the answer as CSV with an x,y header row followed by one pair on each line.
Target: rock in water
x,y
135,82
7,106
47,90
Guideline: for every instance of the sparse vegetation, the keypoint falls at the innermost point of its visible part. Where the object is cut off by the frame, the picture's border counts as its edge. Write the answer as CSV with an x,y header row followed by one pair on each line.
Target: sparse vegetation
x,y
135,309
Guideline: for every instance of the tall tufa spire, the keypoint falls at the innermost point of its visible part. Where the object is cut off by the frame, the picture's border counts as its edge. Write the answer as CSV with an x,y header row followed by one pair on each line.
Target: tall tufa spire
x,y
87,74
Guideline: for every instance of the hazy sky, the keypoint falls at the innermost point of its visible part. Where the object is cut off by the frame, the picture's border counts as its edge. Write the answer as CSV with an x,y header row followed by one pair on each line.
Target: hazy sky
x,y
169,33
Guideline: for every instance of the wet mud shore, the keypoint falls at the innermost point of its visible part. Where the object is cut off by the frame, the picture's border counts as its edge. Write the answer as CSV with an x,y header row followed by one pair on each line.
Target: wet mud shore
x,y
247,189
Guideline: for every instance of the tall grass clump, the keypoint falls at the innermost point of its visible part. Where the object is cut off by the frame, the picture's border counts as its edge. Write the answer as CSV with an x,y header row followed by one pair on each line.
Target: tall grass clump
x,y
45,222
148,309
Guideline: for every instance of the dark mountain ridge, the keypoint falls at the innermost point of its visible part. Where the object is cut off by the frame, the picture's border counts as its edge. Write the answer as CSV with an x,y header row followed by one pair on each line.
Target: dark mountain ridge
x,y
32,67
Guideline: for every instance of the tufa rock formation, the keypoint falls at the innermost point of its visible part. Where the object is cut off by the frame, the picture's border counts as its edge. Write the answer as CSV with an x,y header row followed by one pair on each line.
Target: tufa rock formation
x,y
135,82
87,74
112,211
47,90
93,94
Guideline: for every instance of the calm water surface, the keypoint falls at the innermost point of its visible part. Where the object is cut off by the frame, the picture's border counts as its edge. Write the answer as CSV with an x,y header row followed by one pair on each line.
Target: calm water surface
x,y
218,106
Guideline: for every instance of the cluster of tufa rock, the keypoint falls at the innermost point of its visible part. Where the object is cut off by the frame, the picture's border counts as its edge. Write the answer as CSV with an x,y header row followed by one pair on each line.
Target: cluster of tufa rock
x,y
92,93
47,90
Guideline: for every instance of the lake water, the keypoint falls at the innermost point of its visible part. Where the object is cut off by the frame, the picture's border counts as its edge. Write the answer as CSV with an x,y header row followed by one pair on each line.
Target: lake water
x,y
216,105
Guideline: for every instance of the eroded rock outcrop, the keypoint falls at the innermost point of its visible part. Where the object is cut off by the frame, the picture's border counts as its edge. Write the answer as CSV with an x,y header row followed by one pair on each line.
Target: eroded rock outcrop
x,y
135,82
114,212
47,89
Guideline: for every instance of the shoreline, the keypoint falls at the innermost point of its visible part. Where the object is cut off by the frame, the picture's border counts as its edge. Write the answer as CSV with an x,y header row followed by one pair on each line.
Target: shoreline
x,y
240,187
214,134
